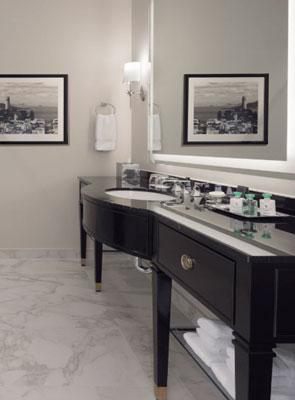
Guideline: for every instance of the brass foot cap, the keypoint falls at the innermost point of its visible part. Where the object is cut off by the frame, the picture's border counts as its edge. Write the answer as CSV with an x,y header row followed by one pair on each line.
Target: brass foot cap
x,y
98,287
83,262
161,393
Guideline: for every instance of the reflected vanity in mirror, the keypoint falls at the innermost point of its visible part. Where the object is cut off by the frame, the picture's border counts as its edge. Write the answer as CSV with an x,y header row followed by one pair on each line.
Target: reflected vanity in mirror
x,y
222,88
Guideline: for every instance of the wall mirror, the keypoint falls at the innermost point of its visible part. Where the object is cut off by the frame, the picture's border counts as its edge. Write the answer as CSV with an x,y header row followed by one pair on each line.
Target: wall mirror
x,y
222,83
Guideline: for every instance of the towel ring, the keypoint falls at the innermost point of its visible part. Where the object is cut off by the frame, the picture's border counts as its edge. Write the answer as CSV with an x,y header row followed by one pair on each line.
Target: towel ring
x,y
103,105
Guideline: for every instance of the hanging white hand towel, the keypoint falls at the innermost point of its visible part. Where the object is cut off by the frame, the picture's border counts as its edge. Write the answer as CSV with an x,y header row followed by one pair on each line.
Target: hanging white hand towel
x,y
105,132
155,143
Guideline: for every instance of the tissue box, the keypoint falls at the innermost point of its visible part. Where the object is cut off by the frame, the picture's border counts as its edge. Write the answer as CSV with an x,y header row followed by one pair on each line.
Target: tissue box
x,y
129,173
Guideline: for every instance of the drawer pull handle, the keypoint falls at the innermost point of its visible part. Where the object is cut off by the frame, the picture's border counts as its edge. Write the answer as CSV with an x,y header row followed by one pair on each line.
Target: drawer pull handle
x,y
188,263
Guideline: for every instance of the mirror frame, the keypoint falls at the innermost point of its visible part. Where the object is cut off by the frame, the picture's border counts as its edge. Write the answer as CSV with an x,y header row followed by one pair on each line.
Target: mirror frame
x,y
278,166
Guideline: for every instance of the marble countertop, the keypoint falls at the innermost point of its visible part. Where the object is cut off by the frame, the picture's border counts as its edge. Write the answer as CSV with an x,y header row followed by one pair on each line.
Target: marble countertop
x,y
252,239
95,191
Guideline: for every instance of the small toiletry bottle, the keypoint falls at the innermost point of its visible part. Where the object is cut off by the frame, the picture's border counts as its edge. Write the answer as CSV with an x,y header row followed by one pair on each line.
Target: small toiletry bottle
x,y
251,205
229,191
196,190
267,205
197,195
177,190
267,230
236,225
187,197
236,203
248,230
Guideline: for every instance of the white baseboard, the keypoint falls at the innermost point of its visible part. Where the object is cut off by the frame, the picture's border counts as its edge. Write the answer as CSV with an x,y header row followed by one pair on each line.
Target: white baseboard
x,y
59,254
56,254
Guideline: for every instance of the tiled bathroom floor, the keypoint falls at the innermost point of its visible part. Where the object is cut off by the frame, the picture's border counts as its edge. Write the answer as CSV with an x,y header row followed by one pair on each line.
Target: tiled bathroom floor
x,y
59,340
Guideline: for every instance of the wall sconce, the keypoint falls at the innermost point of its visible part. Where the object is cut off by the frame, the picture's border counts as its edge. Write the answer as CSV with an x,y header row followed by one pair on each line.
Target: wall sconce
x,y
132,77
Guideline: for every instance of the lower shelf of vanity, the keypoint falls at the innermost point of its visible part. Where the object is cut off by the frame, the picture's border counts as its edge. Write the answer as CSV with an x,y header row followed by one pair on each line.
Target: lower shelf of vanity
x,y
178,334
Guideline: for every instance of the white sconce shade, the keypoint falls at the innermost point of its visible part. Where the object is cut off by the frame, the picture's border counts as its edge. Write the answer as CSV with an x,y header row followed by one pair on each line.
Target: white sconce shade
x,y
131,72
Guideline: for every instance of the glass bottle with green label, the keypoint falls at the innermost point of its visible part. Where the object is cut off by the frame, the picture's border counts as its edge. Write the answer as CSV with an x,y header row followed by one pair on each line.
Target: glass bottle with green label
x,y
251,205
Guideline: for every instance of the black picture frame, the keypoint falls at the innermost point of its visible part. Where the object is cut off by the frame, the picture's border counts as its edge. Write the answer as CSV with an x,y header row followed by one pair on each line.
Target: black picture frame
x,y
62,134
263,136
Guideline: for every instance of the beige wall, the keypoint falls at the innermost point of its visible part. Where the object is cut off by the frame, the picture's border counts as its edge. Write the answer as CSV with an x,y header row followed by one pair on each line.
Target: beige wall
x,y
89,40
270,182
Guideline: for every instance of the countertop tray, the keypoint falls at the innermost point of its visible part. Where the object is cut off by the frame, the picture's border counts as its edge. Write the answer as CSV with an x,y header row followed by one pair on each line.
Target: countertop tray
x,y
224,210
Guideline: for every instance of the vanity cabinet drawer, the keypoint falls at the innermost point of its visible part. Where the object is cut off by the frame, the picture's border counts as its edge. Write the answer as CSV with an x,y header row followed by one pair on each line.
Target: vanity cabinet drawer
x,y
209,275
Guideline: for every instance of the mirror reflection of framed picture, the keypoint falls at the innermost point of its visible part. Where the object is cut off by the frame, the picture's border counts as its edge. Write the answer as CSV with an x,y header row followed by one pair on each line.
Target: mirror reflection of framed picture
x,y
33,109
226,109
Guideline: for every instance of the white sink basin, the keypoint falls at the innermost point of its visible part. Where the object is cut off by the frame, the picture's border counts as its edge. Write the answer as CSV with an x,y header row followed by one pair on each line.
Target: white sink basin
x,y
139,195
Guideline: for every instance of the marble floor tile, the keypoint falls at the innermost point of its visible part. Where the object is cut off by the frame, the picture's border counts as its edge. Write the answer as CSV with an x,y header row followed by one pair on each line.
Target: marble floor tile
x,y
75,392
59,340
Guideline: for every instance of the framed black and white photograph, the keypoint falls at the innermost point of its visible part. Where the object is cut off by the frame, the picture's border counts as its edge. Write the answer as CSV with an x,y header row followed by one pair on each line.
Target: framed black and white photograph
x,y
226,109
33,109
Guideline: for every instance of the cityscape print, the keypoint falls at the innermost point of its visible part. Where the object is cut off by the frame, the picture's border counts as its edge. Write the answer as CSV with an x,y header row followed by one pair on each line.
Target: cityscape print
x,y
225,109
29,109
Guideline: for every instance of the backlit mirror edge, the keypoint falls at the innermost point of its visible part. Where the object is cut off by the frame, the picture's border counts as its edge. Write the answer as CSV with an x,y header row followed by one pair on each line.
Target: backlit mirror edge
x,y
278,166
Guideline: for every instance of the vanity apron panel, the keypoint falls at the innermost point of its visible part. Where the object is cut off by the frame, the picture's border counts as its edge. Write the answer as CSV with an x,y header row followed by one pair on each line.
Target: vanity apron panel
x,y
127,231
209,275
285,303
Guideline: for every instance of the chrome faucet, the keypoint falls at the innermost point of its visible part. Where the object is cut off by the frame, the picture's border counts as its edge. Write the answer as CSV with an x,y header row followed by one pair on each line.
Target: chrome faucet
x,y
182,190
188,194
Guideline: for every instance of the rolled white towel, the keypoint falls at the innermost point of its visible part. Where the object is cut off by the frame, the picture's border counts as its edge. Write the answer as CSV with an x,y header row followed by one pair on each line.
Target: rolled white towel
x,y
279,368
281,393
225,377
215,344
285,382
215,328
196,344
287,355
230,362
230,352
278,396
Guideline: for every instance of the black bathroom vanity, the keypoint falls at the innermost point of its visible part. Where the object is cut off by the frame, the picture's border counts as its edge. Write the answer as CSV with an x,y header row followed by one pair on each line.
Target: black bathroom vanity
x,y
244,274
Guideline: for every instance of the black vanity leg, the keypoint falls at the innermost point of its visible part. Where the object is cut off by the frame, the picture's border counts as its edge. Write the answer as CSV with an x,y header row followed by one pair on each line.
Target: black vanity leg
x,y
83,238
253,370
97,265
161,329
